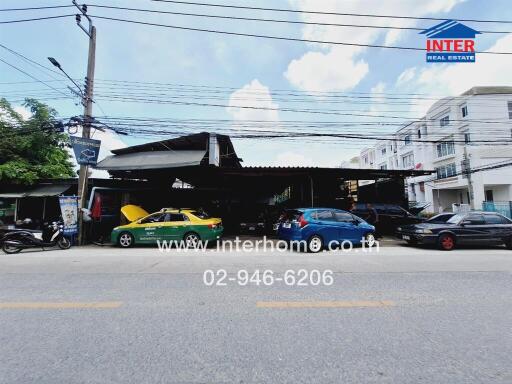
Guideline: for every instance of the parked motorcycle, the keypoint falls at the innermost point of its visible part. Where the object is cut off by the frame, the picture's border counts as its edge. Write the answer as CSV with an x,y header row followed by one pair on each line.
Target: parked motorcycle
x,y
52,235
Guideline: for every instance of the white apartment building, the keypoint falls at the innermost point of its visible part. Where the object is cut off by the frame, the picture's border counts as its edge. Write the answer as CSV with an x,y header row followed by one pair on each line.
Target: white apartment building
x,y
476,126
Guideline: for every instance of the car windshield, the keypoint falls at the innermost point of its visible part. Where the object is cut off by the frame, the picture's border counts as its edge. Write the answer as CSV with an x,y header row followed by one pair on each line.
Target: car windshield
x,y
456,218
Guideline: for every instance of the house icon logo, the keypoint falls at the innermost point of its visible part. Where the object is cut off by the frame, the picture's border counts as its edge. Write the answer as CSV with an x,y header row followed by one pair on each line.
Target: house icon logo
x,y
450,42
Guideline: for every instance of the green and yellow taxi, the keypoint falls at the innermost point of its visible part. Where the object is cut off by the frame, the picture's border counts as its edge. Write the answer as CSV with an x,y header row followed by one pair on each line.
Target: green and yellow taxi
x,y
169,224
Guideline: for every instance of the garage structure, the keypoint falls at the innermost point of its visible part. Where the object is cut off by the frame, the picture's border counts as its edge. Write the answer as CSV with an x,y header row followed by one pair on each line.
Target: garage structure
x,y
204,171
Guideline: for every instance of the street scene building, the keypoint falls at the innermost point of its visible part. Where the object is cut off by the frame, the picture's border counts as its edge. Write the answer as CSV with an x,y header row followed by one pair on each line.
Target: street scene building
x,y
255,192
467,175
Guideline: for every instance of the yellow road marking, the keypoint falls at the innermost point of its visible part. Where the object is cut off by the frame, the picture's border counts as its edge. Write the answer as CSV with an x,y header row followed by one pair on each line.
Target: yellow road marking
x,y
61,305
324,304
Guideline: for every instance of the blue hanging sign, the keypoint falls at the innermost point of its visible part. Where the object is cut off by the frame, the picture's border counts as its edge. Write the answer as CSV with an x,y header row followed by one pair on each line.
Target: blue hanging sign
x,y
86,150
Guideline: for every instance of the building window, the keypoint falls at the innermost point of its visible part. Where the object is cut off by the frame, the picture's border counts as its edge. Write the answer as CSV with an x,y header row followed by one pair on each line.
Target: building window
x,y
464,110
445,148
488,195
383,151
408,161
467,138
444,121
446,171
419,133
510,109
365,159
407,139
383,166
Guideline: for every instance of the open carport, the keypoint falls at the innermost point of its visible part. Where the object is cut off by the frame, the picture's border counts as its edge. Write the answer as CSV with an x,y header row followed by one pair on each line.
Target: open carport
x,y
204,170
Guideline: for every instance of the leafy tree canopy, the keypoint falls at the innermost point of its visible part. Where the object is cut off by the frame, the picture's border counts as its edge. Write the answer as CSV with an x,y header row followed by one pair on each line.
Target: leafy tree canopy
x,y
31,149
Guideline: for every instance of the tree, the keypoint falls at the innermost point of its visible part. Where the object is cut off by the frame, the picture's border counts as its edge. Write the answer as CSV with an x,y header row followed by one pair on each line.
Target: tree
x,y
31,149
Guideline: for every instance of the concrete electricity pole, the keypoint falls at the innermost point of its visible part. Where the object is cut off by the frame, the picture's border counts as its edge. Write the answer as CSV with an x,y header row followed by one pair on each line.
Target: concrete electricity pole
x,y
86,127
467,171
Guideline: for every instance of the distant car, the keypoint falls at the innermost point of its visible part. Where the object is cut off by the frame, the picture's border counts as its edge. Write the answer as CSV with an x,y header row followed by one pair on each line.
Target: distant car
x,y
318,227
441,218
171,224
390,216
472,228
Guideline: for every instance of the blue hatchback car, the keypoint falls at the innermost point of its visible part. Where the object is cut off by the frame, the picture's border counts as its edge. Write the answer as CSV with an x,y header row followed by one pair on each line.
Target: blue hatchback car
x,y
320,227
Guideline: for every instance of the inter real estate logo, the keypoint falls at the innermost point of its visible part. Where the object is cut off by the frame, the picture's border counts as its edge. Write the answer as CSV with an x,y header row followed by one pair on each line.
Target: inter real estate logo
x,y
450,42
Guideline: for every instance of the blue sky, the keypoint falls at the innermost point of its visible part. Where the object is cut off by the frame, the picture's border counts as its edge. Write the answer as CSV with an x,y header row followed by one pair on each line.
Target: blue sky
x,y
250,65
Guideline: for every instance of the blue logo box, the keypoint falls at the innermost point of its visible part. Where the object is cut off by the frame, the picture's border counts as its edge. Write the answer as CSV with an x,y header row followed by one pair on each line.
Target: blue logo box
x,y
450,57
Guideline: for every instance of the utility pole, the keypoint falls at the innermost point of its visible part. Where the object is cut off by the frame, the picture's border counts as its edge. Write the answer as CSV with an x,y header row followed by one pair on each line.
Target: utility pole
x,y
467,172
86,127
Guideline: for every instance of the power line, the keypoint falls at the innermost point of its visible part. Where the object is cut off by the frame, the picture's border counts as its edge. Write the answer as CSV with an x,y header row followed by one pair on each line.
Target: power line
x,y
278,37
34,19
329,13
267,20
35,78
31,61
35,8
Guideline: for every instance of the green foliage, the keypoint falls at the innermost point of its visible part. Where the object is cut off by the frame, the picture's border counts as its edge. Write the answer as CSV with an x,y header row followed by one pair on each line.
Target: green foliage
x,y
31,149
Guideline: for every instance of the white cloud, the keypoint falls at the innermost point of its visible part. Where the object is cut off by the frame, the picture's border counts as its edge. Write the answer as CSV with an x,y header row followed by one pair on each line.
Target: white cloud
x,y
327,71
23,112
378,97
406,76
341,68
293,159
253,94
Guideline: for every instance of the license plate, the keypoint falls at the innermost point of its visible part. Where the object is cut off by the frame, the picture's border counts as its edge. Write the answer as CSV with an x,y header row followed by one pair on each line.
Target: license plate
x,y
287,225
405,237
252,228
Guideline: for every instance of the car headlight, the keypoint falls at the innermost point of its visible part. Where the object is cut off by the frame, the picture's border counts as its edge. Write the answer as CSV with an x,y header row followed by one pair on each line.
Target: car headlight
x,y
422,231
399,229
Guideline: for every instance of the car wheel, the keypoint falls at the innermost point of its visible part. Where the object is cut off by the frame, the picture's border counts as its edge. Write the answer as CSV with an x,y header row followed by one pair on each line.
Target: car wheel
x,y
508,243
125,240
191,240
8,248
315,244
446,242
64,243
370,239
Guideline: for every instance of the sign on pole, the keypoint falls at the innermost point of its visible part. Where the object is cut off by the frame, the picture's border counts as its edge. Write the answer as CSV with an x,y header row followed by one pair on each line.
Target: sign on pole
x,y
86,150
69,210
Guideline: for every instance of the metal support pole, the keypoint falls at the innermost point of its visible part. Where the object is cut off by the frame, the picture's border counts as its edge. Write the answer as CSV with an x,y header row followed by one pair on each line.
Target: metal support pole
x,y
312,191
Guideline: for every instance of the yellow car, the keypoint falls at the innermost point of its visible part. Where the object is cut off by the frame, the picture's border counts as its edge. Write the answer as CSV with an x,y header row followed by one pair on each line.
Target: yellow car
x,y
171,224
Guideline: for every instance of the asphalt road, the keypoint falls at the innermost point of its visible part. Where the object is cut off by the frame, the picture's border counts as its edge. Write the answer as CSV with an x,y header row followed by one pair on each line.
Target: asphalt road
x,y
401,315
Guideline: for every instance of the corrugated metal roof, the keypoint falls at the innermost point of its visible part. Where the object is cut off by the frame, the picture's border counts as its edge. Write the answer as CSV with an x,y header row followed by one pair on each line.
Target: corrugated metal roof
x,y
151,160
39,191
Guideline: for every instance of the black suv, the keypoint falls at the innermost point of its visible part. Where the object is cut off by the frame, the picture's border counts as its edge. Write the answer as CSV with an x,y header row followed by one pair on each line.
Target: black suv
x,y
472,228
390,216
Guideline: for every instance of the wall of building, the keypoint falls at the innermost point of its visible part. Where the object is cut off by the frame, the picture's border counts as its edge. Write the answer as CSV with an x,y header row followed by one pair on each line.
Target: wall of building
x,y
481,114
